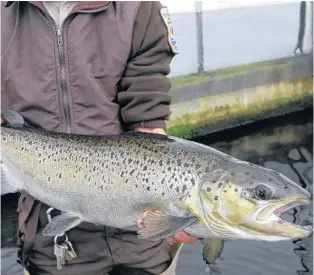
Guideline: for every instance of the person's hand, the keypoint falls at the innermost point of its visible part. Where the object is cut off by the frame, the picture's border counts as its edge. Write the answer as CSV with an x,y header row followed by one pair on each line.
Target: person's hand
x,y
182,237
152,130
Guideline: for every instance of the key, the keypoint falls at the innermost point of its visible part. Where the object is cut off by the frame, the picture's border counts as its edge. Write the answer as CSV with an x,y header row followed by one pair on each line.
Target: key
x,y
60,252
71,252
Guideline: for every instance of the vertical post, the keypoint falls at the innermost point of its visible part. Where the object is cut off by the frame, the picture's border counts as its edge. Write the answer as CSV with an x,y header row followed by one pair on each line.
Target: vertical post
x,y
199,36
307,21
308,36
300,40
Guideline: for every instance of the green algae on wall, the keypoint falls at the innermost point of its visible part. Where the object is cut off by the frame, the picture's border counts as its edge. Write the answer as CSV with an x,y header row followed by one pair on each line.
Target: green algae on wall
x,y
189,117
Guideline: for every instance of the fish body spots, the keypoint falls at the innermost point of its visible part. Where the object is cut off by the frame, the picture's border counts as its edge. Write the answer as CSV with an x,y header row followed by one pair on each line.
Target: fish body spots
x,y
132,171
208,189
219,185
193,181
216,198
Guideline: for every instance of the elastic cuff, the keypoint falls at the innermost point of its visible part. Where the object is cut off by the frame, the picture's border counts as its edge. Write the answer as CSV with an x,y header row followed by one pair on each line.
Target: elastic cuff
x,y
160,123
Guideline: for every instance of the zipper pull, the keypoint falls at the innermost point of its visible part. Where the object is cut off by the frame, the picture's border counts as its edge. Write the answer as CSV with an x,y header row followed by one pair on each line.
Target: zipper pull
x,y
59,37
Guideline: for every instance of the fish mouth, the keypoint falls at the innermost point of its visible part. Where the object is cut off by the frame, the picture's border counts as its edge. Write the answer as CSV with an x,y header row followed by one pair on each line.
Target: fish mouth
x,y
272,214
290,205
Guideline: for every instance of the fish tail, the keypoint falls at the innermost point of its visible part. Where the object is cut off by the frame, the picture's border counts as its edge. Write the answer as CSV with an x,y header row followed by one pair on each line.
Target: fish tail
x,y
8,182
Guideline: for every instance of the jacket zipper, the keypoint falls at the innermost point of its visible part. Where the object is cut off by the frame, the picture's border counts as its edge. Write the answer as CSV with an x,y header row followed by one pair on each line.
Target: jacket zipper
x,y
64,89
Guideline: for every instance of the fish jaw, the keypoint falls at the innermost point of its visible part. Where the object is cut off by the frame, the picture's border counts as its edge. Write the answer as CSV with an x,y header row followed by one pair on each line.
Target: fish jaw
x,y
268,220
266,225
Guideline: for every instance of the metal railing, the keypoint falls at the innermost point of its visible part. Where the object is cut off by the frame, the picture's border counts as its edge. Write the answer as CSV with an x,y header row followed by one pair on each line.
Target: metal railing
x,y
213,39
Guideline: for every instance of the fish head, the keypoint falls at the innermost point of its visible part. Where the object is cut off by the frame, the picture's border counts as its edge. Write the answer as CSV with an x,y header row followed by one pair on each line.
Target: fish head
x,y
241,200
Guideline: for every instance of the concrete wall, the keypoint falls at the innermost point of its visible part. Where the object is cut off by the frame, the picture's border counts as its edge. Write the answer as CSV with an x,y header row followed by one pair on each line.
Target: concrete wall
x,y
210,102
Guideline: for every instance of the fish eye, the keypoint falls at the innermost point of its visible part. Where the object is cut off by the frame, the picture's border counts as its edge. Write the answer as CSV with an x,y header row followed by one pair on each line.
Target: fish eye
x,y
262,192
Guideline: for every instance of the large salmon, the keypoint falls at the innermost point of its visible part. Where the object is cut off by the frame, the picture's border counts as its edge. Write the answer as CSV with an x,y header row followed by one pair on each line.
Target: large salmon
x,y
113,180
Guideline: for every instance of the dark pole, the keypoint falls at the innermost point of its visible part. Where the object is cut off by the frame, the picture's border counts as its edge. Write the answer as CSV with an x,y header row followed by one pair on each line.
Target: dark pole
x,y
199,36
299,45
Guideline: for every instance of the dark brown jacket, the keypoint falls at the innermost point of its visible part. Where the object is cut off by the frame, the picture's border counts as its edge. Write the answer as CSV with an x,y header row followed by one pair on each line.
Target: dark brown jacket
x,y
105,72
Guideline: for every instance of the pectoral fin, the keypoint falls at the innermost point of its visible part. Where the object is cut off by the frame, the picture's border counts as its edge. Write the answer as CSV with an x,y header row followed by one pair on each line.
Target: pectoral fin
x,y
212,249
61,223
157,225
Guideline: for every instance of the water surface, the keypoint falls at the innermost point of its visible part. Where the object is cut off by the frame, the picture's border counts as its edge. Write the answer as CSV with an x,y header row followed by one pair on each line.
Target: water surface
x,y
284,144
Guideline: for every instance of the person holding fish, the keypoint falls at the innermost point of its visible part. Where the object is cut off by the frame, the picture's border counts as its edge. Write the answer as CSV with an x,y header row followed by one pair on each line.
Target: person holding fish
x,y
92,78
93,68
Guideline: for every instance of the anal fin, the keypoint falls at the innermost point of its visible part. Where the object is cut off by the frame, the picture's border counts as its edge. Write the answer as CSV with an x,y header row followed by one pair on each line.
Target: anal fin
x,y
158,225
